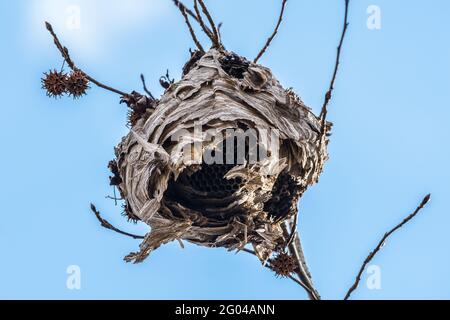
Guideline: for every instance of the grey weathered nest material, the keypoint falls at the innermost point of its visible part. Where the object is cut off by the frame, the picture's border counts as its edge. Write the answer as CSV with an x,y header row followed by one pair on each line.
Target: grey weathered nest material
x,y
219,205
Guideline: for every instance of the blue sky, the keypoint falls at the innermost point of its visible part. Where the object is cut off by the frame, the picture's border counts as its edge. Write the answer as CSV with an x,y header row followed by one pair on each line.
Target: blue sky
x,y
389,148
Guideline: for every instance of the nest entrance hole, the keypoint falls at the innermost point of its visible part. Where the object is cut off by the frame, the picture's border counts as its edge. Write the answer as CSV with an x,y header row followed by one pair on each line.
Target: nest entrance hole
x,y
235,65
205,189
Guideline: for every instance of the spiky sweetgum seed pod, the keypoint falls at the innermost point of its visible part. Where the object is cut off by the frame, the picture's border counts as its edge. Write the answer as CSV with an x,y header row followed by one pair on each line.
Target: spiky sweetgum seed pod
x,y
77,84
283,264
54,83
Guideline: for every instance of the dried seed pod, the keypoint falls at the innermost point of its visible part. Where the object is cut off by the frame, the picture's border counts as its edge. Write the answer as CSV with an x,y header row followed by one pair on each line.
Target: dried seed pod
x,y
54,83
220,204
77,84
283,264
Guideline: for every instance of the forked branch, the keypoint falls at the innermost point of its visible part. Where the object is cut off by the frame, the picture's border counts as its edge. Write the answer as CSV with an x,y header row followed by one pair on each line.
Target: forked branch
x,y
213,33
180,5
216,40
269,41
202,24
184,12
65,54
382,243
302,272
144,85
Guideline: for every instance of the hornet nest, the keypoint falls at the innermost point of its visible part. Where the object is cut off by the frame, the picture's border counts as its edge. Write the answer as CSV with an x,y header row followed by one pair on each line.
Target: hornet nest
x,y
221,159
220,204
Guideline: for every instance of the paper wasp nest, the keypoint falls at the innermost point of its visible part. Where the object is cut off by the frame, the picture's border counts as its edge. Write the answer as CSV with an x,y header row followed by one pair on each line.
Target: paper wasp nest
x,y
169,181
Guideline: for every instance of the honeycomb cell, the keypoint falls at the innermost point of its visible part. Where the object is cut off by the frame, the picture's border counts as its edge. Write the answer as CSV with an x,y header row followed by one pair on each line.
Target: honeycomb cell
x,y
283,197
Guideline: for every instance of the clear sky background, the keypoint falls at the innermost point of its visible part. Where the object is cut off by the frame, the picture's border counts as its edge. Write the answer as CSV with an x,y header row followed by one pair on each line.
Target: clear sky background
x,y
389,148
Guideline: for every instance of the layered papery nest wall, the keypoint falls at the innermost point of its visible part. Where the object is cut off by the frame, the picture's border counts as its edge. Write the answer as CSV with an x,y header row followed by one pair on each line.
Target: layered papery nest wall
x,y
219,91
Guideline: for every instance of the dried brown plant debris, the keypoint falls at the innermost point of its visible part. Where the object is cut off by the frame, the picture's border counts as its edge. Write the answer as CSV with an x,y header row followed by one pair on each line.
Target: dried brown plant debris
x,y
115,179
77,84
283,264
54,83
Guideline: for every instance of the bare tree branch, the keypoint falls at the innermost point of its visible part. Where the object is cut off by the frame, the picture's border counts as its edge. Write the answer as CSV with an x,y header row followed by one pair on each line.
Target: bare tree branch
x,y
191,29
382,243
144,85
105,224
180,5
269,41
202,24
65,53
302,271
328,95
219,27
293,230
296,241
216,40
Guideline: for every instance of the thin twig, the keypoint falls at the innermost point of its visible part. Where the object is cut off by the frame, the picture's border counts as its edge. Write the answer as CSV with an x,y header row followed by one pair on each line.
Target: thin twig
x,y
202,23
114,198
211,22
382,243
63,65
295,241
105,224
302,272
293,230
180,5
328,95
248,251
219,28
145,87
65,53
269,41
191,30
